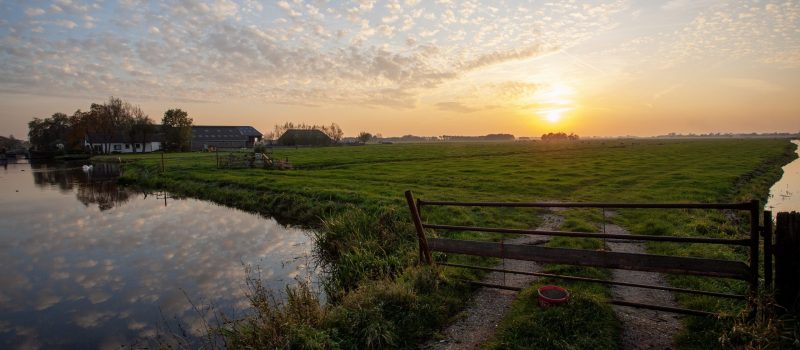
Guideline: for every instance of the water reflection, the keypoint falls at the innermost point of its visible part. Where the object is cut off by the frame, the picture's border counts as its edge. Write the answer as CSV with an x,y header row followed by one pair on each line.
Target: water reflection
x,y
97,186
784,196
105,270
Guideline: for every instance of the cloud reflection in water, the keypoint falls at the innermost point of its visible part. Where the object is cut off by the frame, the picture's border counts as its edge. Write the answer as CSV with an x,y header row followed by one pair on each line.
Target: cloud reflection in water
x,y
95,272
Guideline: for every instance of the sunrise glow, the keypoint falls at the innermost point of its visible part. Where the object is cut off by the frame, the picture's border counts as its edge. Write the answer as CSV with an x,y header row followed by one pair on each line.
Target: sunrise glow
x,y
554,115
412,67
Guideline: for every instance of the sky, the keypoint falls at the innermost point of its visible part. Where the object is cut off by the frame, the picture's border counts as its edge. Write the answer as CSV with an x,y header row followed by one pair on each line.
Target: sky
x,y
442,67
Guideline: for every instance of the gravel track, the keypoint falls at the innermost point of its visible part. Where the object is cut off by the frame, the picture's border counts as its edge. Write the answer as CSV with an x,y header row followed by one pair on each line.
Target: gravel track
x,y
478,322
641,328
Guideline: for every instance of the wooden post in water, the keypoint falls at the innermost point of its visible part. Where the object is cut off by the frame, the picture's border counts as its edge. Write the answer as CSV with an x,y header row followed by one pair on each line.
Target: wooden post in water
x,y
787,263
424,251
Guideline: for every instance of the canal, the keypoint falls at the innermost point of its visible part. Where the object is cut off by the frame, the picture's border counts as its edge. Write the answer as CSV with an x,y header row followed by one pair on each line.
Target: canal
x,y
89,264
784,195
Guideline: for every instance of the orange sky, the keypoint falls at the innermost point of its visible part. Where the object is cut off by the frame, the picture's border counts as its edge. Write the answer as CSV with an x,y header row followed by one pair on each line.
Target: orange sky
x,y
413,67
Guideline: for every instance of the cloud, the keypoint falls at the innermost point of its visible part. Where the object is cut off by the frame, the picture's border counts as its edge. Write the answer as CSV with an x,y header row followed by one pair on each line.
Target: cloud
x,y
287,52
33,12
755,85
491,58
721,32
66,24
455,107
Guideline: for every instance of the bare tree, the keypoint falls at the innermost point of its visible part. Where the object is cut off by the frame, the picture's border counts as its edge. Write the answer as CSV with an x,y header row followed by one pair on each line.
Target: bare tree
x,y
364,137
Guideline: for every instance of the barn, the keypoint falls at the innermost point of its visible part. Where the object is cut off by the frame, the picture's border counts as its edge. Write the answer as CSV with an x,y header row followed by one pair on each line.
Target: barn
x,y
216,136
304,137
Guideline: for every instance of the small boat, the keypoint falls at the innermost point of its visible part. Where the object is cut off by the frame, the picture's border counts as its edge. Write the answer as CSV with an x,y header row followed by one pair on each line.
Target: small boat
x,y
87,168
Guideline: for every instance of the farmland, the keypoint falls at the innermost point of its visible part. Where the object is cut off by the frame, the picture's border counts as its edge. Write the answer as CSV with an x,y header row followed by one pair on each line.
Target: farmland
x,y
353,197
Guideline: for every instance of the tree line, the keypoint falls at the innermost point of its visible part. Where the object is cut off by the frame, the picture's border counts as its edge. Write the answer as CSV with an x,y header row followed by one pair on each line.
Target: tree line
x,y
103,123
559,136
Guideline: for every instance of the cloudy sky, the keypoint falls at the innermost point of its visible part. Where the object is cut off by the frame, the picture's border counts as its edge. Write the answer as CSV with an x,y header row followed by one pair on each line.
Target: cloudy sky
x,y
410,66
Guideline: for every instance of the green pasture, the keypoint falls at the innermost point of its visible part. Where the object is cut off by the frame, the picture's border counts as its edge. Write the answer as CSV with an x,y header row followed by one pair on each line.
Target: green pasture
x,y
353,196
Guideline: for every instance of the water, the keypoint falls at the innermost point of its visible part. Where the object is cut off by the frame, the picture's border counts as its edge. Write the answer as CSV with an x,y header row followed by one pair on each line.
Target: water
x,y
784,195
88,264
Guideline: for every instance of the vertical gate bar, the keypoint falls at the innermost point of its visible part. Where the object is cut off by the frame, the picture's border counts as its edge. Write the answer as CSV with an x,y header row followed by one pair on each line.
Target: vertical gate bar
x,y
767,233
754,242
419,213
423,242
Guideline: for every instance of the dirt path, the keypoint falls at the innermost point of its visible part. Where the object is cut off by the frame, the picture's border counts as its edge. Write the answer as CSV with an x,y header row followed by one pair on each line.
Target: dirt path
x,y
642,329
478,322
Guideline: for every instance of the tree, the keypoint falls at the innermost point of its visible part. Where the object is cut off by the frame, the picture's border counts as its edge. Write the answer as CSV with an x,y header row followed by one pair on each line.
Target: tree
x,y
559,136
78,131
364,137
334,132
177,128
45,134
108,121
144,128
98,128
141,127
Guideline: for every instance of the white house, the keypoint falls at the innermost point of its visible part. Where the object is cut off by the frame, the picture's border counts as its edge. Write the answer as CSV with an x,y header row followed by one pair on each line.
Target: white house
x,y
122,144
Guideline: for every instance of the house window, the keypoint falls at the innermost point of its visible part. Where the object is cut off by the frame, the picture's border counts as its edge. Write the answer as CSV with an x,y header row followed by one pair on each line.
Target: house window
x,y
117,147
127,146
137,146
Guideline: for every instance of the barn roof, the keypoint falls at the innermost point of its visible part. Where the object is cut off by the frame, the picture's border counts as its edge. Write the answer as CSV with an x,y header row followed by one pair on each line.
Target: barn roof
x,y
219,132
304,136
305,133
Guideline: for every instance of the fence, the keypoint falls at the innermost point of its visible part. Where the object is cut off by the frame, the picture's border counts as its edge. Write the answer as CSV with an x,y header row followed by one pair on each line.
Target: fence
x,y
161,162
738,270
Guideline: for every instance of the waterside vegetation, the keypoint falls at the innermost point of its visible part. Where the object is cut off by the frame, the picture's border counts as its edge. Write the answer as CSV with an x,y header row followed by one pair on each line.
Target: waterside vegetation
x,y
378,297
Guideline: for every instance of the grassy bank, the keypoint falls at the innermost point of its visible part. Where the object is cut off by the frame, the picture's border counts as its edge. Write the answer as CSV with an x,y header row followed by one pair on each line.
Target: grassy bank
x,y
353,196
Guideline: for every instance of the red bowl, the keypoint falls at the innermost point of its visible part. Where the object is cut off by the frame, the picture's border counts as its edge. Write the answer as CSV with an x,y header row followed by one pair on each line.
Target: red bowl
x,y
552,295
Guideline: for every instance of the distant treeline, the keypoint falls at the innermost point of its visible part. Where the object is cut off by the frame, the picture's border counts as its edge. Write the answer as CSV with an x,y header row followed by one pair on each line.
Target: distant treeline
x,y
449,138
489,137
559,136
731,135
10,143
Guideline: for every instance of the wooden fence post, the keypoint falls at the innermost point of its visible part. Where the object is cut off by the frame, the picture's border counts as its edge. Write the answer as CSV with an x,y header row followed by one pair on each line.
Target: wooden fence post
x,y
755,240
767,234
162,162
787,263
424,251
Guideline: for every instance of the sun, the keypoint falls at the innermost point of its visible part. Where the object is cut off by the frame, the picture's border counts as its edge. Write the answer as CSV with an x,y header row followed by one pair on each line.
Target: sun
x,y
554,102
553,116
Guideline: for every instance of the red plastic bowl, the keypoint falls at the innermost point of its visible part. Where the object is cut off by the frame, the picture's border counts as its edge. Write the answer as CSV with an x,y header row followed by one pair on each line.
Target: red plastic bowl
x,y
552,295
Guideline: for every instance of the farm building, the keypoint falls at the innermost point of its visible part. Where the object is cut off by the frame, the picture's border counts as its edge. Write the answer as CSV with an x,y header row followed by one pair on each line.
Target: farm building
x,y
121,143
204,136
304,137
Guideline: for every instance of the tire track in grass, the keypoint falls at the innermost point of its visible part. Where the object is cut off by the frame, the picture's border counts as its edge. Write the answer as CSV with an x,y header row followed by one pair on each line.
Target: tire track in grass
x,y
478,322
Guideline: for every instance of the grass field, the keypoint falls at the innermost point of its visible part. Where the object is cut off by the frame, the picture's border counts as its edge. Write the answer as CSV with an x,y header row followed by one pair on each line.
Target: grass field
x,y
353,196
